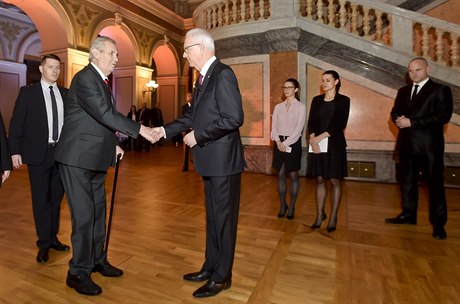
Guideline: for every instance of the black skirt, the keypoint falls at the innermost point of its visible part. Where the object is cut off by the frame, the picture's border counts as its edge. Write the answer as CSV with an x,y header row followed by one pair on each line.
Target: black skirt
x,y
332,164
291,161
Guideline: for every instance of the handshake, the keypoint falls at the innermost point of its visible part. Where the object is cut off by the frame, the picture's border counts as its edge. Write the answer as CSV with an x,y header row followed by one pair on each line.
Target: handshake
x,y
155,134
152,134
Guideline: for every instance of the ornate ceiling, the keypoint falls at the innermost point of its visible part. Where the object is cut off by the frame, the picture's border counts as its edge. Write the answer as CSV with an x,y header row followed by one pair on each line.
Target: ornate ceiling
x,y
183,8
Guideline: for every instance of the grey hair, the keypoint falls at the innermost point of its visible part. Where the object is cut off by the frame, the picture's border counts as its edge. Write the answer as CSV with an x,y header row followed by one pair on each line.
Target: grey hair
x,y
99,44
200,35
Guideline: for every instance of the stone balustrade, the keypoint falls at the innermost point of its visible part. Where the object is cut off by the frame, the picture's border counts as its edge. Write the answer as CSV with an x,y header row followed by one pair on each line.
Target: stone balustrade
x,y
380,23
214,14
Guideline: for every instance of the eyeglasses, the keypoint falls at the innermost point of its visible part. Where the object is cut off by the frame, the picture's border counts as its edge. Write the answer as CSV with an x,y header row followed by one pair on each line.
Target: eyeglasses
x,y
287,88
187,47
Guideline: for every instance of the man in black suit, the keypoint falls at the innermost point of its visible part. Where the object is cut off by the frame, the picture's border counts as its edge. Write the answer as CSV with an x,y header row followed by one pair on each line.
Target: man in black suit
x,y
5,155
35,128
187,107
215,119
420,111
87,148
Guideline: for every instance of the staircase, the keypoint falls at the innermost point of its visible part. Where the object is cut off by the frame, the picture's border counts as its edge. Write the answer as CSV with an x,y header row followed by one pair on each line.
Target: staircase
x,y
368,42
369,38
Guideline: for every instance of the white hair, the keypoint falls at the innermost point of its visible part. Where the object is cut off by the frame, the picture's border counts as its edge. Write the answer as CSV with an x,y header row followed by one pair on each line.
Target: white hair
x,y
99,44
200,35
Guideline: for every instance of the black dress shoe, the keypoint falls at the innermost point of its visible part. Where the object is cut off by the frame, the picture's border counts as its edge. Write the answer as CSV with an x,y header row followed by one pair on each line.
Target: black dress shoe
x,y
199,276
83,284
56,245
402,219
107,270
42,255
211,288
439,233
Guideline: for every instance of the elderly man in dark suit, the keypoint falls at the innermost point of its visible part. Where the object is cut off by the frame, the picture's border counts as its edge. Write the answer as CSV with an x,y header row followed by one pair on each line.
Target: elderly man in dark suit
x,y
5,155
215,119
420,111
87,148
35,128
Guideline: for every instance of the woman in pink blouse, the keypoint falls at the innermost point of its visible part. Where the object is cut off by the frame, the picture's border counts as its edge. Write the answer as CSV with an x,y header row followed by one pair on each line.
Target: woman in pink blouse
x,y
287,124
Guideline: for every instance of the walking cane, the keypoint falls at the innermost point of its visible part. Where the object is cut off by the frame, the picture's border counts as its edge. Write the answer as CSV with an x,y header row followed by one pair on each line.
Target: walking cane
x,y
112,202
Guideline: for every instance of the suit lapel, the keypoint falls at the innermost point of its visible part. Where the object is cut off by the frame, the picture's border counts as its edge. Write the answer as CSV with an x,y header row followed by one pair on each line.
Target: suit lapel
x,y
422,92
202,88
42,108
106,88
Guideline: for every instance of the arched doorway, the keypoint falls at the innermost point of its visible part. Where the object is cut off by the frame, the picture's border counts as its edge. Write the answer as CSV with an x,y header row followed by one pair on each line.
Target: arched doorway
x,y
167,73
20,55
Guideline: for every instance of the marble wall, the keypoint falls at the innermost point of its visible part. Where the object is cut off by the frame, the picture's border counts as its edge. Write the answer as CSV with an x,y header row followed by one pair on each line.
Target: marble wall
x,y
369,81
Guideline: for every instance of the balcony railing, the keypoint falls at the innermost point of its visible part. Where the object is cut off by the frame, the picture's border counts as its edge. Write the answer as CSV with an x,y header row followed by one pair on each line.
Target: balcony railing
x,y
220,13
390,26
432,39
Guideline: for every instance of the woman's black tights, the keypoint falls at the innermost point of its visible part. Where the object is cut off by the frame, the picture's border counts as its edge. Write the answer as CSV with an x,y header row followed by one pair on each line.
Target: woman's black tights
x,y
294,189
336,195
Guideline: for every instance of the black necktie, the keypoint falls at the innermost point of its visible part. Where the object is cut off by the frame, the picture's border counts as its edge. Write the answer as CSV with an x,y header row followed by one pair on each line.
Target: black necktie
x,y
55,115
200,79
414,92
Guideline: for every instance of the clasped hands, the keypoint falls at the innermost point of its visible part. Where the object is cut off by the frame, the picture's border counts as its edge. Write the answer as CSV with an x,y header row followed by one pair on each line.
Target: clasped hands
x,y
314,143
402,122
281,147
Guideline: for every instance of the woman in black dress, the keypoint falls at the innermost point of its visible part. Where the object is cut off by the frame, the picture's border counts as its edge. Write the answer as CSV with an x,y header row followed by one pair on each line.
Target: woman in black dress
x,y
327,159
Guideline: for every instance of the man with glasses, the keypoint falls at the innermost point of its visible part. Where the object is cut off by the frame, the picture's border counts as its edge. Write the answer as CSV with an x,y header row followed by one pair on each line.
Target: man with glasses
x,y
214,121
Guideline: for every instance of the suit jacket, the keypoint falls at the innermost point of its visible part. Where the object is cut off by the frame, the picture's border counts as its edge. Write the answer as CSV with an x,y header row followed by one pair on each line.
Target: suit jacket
x,y
144,116
338,122
186,108
5,155
157,117
90,120
217,114
430,109
29,130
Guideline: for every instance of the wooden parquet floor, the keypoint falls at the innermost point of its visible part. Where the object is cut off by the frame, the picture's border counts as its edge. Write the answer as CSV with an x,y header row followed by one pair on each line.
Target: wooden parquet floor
x,y
158,234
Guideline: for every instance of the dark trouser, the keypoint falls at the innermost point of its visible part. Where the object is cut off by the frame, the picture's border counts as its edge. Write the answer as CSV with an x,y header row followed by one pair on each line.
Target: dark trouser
x,y
47,193
85,190
432,166
222,195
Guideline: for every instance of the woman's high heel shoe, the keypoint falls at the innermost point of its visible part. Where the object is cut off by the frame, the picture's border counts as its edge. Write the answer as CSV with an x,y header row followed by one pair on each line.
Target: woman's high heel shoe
x,y
290,214
282,211
315,225
331,228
